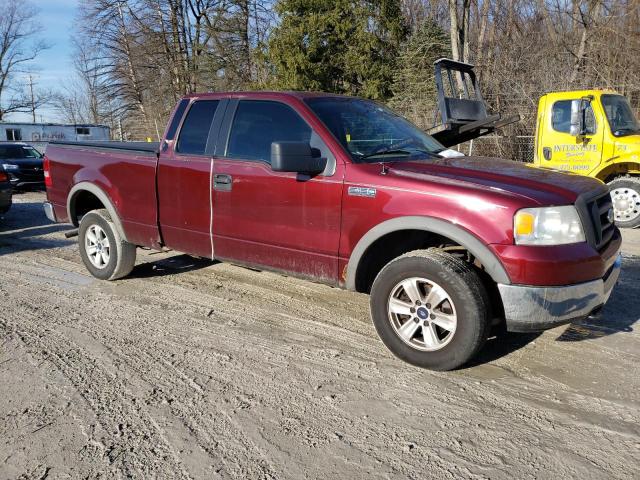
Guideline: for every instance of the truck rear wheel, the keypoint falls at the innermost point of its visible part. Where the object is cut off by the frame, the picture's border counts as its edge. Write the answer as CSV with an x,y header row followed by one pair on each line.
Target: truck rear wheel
x,y
430,309
102,249
625,194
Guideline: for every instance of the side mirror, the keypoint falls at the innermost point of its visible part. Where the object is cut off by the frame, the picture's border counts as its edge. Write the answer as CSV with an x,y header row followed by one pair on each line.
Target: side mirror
x,y
579,108
295,157
577,118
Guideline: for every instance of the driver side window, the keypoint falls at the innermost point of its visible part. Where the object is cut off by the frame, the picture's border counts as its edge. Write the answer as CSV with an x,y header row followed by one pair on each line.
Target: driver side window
x,y
258,123
561,117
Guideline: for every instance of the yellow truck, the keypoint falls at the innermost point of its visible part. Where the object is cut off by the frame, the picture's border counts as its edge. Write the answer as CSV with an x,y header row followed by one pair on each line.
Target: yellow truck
x,y
594,133
585,132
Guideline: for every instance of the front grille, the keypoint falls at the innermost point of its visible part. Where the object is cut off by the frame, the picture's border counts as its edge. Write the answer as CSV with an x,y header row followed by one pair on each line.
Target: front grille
x,y
603,228
31,174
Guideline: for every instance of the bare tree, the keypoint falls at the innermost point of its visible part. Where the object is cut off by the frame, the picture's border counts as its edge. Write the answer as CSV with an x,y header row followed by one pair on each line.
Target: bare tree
x,y
18,46
460,16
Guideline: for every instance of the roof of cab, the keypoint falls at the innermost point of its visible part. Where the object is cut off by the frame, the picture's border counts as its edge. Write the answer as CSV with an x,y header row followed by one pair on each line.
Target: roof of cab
x,y
265,93
566,94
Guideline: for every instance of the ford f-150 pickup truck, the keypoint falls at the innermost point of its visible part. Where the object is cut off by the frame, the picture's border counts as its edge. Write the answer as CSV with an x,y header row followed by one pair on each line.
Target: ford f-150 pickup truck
x,y
343,191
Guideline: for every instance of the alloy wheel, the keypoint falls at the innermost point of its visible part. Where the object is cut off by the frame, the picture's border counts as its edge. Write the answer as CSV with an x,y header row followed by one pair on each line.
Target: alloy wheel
x,y
422,314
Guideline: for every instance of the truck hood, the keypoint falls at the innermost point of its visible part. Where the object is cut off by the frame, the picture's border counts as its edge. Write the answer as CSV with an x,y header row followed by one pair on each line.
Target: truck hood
x,y
23,162
541,186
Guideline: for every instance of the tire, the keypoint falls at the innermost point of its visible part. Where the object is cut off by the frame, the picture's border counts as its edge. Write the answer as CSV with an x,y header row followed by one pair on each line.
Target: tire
x,y
625,193
102,249
466,299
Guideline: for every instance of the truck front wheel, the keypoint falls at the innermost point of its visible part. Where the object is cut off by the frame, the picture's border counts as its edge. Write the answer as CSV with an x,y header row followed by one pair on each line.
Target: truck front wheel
x,y
430,309
105,254
625,194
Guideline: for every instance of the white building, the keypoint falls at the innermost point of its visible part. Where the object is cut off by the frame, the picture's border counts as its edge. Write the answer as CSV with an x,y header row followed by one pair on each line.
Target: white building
x,y
47,132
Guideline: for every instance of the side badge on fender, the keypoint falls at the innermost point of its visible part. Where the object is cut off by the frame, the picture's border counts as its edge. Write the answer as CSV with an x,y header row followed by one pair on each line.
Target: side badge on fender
x,y
362,192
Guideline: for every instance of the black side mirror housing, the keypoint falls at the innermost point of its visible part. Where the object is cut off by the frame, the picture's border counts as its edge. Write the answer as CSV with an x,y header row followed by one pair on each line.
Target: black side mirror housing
x,y
295,157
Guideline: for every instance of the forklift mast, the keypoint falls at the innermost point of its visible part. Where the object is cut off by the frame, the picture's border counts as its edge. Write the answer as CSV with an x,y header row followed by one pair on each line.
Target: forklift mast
x,y
462,109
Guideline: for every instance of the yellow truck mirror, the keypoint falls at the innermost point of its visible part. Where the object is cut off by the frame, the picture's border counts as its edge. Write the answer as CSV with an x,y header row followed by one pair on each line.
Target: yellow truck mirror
x,y
576,127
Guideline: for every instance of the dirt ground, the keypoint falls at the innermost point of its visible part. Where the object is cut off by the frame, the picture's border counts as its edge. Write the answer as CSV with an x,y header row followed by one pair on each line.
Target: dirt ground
x,y
189,369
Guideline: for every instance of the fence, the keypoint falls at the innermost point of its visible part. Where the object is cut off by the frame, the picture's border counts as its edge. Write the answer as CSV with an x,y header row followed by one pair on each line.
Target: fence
x,y
520,148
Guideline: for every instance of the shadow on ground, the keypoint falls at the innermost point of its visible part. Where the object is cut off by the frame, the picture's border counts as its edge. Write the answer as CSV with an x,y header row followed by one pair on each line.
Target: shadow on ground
x,y
619,315
502,345
24,227
169,266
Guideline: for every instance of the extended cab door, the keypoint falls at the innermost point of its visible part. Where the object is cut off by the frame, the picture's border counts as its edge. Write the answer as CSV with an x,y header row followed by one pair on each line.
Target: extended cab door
x,y
185,169
284,221
558,149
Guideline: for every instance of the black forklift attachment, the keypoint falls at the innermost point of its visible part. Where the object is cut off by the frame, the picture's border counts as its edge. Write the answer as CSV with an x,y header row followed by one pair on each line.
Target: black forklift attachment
x,y
462,110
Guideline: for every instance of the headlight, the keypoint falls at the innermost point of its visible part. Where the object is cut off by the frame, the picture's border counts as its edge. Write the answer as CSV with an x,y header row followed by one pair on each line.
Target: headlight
x,y
10,166
548,226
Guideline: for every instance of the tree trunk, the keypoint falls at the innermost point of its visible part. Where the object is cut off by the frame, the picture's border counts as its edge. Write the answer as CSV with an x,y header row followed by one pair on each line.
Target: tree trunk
x,y
459,35
484,20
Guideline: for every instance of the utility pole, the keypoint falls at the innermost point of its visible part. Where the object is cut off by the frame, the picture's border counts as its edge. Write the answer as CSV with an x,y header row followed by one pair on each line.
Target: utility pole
x,y
33,101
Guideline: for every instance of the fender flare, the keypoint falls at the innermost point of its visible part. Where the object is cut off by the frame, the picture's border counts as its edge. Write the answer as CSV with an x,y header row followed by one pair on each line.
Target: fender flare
x,y
621,165
478,249
102,196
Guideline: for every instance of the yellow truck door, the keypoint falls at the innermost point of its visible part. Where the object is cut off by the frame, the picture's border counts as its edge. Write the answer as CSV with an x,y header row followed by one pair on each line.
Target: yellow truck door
x,y
557,148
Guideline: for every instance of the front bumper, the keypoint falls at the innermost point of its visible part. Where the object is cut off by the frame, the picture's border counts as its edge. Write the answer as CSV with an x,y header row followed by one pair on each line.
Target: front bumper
x,y
530,309
25,184
20,179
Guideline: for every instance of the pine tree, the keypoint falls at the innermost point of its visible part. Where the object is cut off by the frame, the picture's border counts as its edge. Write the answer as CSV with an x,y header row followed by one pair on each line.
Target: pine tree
x,y
414,87
340,46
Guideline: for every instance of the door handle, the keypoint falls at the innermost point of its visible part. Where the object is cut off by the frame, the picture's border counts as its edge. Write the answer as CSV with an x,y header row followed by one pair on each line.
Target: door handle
x,y
222,182
546,153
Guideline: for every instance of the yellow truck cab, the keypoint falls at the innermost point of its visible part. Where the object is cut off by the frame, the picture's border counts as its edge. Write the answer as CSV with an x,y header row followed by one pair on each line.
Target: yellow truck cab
x,y
585,132
593,133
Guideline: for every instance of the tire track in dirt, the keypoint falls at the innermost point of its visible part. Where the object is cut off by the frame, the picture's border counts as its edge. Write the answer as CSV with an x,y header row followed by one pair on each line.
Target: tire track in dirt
x,y
253,375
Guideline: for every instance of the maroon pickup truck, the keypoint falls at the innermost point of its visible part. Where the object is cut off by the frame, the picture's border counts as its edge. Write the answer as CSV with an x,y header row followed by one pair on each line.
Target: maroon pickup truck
x,y
343,191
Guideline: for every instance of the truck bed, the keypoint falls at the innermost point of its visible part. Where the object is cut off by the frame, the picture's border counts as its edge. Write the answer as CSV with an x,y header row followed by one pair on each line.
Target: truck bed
x,y
119,170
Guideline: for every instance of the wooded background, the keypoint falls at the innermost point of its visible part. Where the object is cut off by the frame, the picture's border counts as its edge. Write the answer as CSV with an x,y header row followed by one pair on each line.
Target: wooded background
x,y
135,58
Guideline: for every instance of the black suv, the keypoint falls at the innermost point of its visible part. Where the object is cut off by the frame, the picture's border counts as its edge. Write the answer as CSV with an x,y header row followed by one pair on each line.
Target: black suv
x,y
23,164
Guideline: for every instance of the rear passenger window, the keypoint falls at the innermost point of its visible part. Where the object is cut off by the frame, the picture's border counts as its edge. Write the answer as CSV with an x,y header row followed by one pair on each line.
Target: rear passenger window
x,y
258,123
175,121
195,129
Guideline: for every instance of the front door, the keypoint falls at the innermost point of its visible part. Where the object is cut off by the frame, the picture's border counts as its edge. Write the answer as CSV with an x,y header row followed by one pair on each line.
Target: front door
x,y
184,182
560,150
284,221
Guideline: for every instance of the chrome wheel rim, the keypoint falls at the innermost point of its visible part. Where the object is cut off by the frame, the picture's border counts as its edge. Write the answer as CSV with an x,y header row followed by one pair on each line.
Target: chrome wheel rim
x,y
626,204
422,314
96,244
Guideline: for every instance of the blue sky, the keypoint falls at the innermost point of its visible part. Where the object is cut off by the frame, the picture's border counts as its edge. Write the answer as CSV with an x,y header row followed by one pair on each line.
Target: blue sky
x,y
54,66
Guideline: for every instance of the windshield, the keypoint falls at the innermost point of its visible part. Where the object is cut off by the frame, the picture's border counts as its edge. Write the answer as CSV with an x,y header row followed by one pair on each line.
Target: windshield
x,y
18,151
620,116
371,132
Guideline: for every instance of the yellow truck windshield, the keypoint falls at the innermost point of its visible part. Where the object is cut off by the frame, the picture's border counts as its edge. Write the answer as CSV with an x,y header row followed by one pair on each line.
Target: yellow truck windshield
x,y
620,116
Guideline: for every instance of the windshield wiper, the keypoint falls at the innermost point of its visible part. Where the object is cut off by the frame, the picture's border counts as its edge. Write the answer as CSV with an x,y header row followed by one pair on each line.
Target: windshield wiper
x,y
402,151
387,152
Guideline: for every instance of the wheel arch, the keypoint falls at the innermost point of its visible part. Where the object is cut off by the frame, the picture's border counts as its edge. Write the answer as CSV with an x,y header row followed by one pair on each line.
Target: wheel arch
x,y
101,196
475,246
617,169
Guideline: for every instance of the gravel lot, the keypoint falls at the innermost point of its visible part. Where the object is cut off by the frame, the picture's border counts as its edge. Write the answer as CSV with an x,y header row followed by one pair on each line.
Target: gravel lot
x,y
190,369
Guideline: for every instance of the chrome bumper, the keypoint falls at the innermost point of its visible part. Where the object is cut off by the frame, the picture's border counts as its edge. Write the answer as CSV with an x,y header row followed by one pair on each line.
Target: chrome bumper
x,y
529,309
48,211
